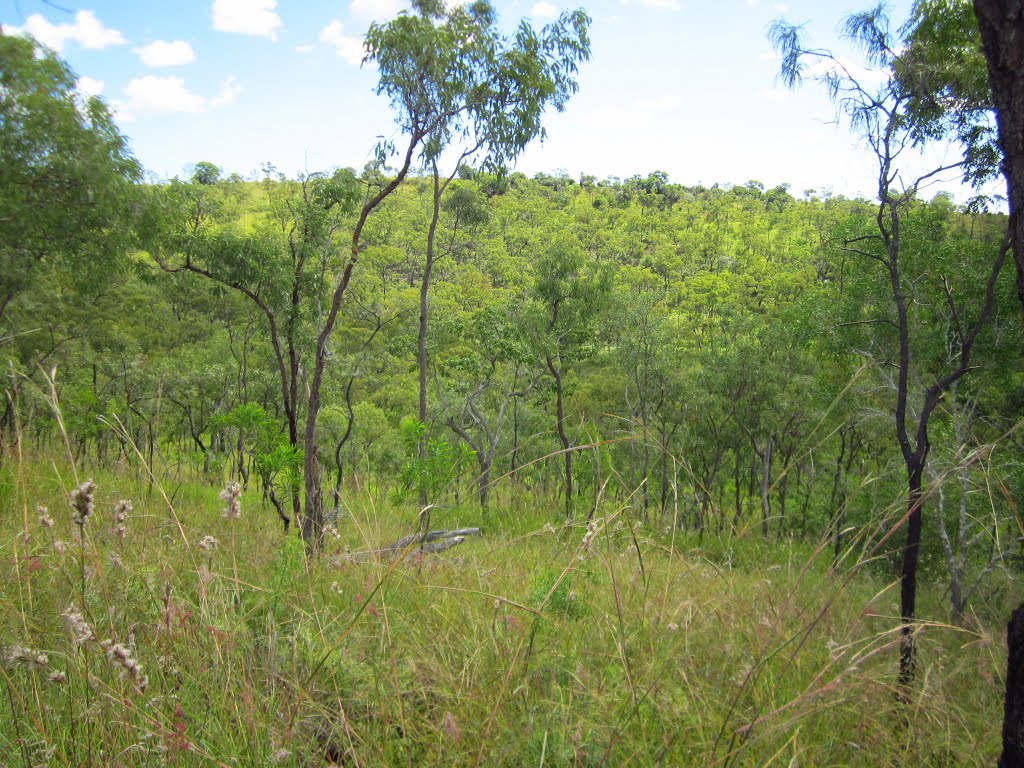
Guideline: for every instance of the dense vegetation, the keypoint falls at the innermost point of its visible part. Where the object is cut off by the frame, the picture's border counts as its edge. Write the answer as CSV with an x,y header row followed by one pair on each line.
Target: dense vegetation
x,y
693,423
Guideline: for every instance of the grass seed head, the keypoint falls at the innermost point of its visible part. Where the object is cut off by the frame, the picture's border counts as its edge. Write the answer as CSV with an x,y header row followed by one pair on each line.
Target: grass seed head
x,y
232,494
82,503
129,667
80,630
20,657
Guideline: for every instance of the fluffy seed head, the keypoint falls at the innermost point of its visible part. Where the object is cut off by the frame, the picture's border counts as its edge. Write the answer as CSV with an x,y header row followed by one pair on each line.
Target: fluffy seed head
x,y
80,630
25,658
82,502
232,494
121,657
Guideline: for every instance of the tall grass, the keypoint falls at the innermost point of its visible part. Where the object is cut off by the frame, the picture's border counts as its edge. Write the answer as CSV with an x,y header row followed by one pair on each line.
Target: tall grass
x,y
533,644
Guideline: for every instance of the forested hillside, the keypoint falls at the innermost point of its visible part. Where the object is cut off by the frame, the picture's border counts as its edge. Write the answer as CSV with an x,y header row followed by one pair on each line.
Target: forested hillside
x,y
630,396
718,358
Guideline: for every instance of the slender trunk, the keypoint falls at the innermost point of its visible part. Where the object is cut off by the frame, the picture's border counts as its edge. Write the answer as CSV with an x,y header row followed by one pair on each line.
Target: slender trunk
x,y
313,519
421,341
838,501
556,372
484,485
908,572
515,440
766,476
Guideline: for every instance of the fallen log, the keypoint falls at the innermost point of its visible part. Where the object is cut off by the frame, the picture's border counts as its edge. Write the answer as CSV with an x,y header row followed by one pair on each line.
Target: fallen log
x,y
431,542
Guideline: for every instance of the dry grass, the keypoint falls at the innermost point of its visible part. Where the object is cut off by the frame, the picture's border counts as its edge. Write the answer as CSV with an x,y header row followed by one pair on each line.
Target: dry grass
x,y
520,647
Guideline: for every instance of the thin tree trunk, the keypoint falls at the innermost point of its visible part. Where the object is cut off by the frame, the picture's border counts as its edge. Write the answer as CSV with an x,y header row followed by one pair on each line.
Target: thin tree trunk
x,y
562,436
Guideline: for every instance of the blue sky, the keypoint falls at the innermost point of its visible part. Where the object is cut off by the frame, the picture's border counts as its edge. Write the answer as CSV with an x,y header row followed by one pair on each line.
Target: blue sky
x,y
683,86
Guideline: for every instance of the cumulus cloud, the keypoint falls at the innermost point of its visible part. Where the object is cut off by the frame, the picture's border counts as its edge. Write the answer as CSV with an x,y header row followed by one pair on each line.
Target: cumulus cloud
x,y
658,103
774,94
169,95
543,10
347,47
375,10
161,53
658,5
247,17
86,30
87,86
229,92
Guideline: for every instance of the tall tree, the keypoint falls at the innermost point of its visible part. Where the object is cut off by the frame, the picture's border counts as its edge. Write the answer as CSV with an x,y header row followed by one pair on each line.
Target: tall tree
x,y
67,176
1001,23
884,119
474,91
279,265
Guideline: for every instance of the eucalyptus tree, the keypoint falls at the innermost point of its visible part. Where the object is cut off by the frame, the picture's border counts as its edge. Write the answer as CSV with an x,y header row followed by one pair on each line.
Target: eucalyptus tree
x,y
571,292
1001,23
280,263
490,369
908,260
472,92
67,202
643,347
966,65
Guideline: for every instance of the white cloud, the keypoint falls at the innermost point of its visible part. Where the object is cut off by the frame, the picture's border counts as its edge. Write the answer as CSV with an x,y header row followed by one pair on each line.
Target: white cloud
x,y
347,47
228,93
169,95
780,7
375,10
659,5
659,103
87,31
305,48
774,94
247,17
161,53
87,86
543,10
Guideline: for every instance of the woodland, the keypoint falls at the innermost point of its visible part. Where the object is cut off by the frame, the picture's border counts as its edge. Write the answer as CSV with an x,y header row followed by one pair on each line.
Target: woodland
x,y
733,471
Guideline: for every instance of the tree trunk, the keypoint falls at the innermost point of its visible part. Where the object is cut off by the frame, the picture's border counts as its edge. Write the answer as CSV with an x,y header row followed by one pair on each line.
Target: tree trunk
x,y
908,573
1013,711
562,436
766,476
484,485
421,340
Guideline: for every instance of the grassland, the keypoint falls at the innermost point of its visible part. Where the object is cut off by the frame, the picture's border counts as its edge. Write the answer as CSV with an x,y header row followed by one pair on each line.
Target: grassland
x,y
534,643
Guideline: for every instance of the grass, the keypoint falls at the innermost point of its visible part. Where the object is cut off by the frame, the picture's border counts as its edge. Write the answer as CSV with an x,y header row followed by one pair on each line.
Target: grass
x,y
520,647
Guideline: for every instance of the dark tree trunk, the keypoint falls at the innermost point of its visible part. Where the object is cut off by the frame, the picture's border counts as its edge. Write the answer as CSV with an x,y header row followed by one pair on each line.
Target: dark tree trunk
x,y
556,373
313,517
421,340
1013,712
908,573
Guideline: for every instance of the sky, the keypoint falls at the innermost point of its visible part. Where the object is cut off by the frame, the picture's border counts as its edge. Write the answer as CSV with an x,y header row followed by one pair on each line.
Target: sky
x,y
688,87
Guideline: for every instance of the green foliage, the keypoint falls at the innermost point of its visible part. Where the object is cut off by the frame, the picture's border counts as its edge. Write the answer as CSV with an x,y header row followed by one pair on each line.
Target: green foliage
x,y
552,591
452,76
434,468
67,177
